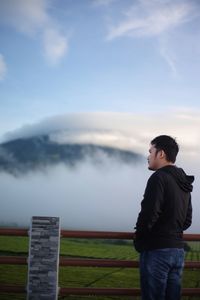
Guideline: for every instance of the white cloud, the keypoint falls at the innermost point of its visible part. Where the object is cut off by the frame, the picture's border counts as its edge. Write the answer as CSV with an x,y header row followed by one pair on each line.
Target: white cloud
x,y
108,186
55,45
102,2
32,19
120,130
151,18
25,16
156,19
168,56
3,67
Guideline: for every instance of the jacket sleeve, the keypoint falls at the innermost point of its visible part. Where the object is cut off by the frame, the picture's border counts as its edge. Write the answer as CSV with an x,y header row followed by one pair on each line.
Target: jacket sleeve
x,y
151,205
188,220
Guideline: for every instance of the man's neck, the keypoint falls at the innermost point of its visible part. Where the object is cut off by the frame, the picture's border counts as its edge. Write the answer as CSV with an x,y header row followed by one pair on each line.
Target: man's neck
x,y
165,164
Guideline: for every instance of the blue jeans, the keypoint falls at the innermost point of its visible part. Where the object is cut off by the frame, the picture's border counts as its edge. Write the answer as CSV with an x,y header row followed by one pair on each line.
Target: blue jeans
x,y
160,274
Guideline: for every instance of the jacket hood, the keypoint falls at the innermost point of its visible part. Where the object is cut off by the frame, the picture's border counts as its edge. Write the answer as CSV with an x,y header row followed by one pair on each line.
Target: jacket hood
x,y
183,180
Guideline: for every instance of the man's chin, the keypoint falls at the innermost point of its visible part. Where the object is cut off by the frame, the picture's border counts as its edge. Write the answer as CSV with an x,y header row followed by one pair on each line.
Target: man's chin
x,y
151,169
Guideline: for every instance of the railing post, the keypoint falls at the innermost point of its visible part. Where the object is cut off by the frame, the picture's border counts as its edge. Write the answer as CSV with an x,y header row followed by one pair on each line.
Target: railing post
x,y
43,261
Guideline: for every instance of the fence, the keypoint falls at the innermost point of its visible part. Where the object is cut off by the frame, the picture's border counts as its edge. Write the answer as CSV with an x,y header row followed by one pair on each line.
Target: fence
x,y
91,263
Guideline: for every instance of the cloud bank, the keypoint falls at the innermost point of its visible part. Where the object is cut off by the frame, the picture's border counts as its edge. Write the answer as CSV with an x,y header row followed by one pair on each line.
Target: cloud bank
x,y
120,130
102,196
85,198
89,197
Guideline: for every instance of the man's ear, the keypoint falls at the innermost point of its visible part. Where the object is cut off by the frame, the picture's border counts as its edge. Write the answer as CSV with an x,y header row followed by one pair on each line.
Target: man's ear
x,y
162,154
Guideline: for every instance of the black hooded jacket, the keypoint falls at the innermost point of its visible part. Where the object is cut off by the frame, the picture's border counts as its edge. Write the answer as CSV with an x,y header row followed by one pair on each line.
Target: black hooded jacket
x,y
166,210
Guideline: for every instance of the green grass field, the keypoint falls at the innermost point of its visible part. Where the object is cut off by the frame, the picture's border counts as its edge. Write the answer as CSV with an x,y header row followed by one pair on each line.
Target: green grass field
x,y
88,277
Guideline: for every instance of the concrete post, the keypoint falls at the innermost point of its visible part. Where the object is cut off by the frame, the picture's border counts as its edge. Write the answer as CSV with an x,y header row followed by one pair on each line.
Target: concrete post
x,y
43,261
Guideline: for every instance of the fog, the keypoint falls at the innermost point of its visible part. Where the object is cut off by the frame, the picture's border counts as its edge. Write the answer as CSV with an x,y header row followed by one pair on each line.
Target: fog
x,y
103,196
89,197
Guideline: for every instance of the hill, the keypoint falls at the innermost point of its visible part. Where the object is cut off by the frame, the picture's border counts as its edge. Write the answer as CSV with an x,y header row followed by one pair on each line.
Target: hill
x,y
26,154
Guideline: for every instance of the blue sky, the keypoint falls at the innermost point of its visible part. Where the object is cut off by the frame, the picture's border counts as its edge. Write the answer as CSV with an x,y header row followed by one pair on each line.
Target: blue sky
x,y
110,72
69,56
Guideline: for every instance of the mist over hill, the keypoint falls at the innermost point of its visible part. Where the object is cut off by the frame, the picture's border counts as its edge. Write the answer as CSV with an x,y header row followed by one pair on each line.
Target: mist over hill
x,y
88,169
27,154
88,186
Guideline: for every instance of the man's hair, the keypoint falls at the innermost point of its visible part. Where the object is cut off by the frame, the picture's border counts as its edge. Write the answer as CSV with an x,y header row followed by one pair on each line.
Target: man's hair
x,y
168,145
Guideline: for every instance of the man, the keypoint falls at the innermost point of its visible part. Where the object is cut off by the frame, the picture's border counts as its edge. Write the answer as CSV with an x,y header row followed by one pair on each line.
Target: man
x,y
166,211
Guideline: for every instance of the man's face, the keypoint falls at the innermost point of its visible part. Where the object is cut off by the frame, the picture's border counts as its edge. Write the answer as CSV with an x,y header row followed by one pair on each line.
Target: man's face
x,y
153,158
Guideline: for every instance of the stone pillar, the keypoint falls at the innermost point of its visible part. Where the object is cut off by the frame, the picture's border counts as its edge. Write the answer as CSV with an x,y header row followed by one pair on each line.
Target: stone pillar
x,y
43,261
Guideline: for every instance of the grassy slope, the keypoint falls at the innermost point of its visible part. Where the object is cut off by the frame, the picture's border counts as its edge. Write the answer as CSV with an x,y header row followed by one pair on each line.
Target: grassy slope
x,y
86,277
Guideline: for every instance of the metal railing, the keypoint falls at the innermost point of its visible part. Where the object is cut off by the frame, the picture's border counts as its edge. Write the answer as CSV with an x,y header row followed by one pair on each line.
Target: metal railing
x,y
77,262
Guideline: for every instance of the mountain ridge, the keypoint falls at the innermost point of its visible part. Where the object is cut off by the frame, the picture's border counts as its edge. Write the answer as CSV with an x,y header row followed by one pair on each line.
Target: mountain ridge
x,y
25,154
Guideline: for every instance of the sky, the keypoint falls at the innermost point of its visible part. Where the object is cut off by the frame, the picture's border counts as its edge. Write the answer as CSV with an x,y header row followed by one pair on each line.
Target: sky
x,y
97,55
111,72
